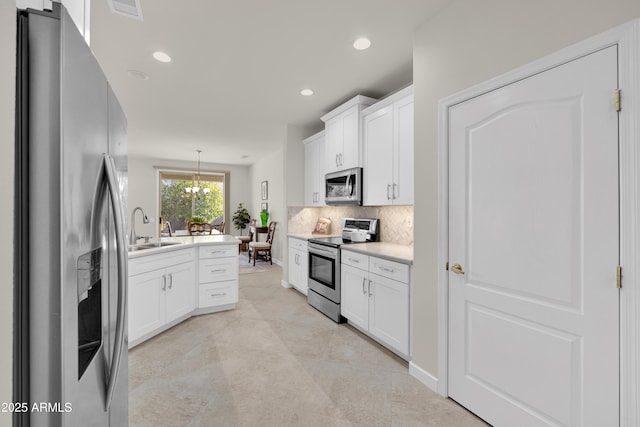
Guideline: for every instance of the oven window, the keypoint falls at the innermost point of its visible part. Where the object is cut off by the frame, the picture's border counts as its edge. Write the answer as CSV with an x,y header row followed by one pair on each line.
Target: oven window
x,y
321,269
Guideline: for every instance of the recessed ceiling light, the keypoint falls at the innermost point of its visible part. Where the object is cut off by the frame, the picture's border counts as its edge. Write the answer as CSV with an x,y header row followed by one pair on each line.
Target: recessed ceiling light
x,y
306,92
137,74
362,43
161,56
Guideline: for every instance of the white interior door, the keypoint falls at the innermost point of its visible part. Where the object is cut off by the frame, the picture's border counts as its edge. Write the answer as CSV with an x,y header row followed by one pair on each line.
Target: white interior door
x,y
533,223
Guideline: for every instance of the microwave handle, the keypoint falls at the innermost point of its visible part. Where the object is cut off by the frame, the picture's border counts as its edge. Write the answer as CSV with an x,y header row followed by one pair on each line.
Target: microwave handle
x,y
350,185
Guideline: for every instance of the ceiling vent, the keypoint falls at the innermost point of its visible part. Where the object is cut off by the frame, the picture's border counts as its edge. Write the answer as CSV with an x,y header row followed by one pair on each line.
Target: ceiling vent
x,y
130,8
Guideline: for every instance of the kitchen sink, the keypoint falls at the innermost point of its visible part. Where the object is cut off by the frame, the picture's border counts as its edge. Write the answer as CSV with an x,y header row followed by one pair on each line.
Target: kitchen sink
x,y
145,246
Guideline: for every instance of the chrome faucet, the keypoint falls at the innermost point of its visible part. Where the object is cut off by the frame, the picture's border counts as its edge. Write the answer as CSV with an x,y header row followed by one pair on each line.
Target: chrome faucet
x,y
133,237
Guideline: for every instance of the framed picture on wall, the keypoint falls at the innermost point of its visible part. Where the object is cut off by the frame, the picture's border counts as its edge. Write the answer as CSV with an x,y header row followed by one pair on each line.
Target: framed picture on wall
x,y
264,206
265,190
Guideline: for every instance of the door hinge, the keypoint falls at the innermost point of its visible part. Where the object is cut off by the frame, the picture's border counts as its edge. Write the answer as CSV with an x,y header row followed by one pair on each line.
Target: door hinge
x,y
618,277
446,267
617,96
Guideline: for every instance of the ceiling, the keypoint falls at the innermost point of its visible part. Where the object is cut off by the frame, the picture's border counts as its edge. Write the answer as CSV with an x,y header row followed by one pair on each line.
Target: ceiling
x,y
237,68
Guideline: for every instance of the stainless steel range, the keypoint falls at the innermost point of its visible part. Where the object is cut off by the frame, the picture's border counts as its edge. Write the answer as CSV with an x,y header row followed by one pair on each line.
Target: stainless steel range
x,y
324,263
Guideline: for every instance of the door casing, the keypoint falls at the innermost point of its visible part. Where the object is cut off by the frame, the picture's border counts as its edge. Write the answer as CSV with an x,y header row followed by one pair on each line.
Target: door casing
x,y
627,38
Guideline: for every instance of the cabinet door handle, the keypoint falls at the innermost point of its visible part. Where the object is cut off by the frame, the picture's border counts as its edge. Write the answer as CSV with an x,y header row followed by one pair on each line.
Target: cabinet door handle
x,y
370,293
170,280
337,164
394,191
164,282
341,161
388,188
364,281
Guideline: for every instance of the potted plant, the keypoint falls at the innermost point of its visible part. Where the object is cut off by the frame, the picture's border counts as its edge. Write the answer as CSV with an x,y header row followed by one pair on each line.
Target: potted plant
x,y
241,218
199,219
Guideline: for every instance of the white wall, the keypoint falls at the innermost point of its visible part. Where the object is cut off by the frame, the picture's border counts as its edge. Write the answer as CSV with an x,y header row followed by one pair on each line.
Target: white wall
x,y
7,100
467,43
271,169
143,190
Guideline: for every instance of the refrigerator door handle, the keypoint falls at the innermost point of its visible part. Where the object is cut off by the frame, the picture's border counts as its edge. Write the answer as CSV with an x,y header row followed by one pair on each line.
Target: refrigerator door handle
x,y
121,244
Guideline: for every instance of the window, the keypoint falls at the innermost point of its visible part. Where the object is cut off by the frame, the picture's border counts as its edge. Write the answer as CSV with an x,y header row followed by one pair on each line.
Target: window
x,y
178,205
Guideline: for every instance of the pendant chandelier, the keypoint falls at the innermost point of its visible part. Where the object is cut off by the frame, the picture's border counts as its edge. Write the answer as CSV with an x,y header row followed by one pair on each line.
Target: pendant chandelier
x,y
195,189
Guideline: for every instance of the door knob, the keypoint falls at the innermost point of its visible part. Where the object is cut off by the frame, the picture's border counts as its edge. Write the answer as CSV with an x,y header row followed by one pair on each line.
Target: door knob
x,y
457,268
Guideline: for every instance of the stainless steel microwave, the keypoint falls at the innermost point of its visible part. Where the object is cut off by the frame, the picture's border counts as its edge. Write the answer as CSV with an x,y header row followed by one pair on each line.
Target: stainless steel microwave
x,y
343,187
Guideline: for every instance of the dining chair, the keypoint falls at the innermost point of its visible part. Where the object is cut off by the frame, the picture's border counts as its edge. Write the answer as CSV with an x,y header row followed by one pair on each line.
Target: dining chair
x,y
200,228
263,247
244,241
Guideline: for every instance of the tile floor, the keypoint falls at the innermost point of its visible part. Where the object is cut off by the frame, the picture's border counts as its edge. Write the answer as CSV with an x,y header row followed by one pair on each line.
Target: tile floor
x,y
276,361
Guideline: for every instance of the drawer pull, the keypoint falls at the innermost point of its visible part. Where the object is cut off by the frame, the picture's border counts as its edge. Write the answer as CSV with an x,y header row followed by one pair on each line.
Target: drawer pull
x,y
388,270
220,270
219,295
354,260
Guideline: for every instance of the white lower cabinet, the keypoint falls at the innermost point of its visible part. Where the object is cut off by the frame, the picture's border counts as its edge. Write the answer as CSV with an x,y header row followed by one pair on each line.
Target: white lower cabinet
x,y
298,264
161,290
375,298
354,295
167,288
217,278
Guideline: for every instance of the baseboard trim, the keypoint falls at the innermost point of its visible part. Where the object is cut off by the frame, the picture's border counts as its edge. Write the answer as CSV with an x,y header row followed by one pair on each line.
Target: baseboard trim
x,y
285,284
423,376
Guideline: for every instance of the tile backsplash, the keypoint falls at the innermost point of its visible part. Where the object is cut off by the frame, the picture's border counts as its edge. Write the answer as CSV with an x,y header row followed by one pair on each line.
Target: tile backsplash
x,y
396,222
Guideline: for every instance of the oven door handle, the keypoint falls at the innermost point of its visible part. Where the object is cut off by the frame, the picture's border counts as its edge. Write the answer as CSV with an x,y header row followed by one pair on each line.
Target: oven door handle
x,y
318,251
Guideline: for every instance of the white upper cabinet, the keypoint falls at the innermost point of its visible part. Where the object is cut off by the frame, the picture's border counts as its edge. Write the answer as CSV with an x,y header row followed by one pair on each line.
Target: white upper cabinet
x,y
314,164
342,134
388,151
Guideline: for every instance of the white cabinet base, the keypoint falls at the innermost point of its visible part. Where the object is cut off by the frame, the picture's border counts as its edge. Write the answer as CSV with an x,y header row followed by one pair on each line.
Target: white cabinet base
x,y
382,343
375,299
169,287
159,330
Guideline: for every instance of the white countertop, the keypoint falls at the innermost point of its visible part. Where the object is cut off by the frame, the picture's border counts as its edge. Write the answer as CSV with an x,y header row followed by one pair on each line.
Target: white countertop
x,y
391,251
187,242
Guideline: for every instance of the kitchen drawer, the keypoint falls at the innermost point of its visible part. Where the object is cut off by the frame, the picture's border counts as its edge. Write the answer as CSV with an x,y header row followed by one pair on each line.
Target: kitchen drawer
x,y
298,244
355,259
221,293
390,269
156,261
217,270
218,251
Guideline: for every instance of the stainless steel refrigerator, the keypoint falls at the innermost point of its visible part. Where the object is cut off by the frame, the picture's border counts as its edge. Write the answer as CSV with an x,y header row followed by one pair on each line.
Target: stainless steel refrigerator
x,y
71,268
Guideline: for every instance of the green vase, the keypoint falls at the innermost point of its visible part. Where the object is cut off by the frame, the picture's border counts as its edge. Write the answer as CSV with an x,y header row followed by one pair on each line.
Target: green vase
x,y
264,217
